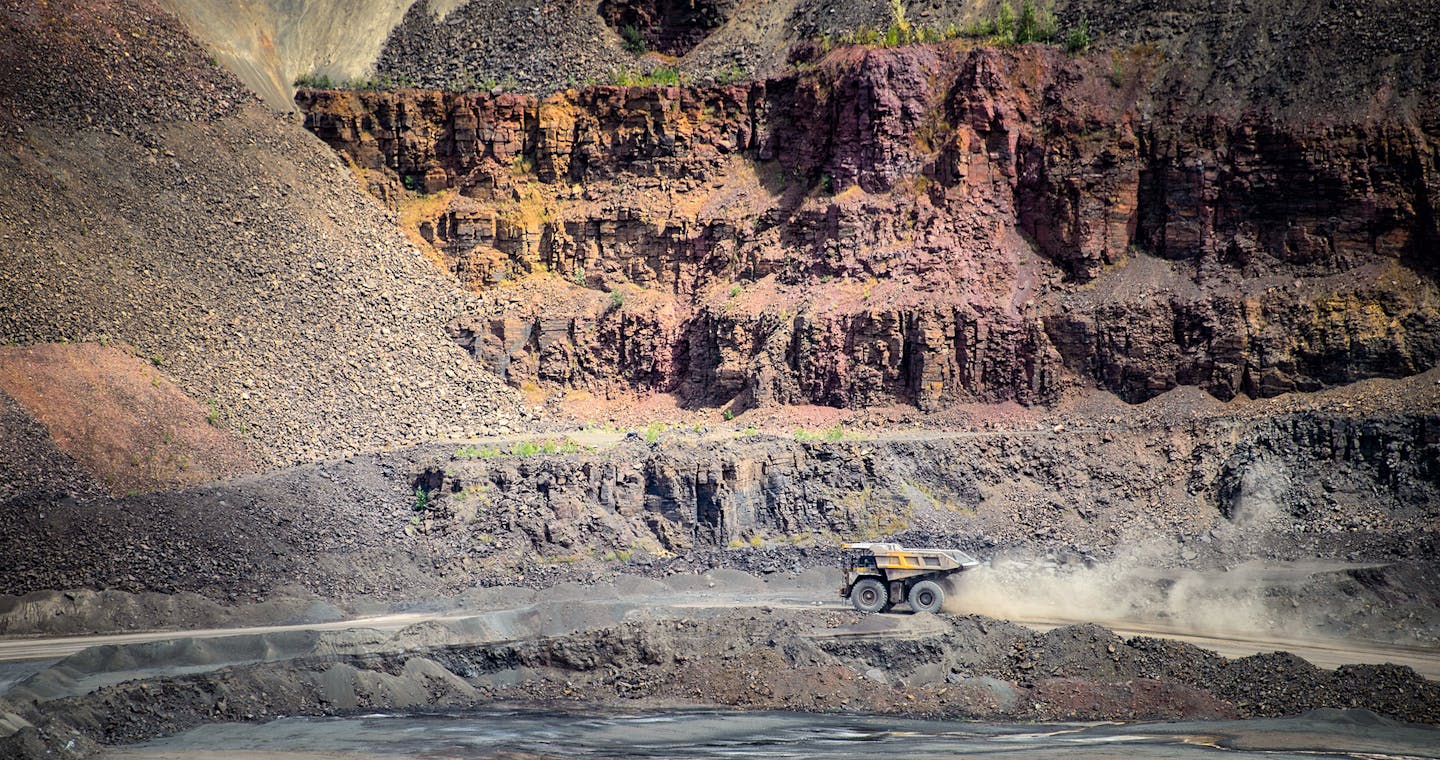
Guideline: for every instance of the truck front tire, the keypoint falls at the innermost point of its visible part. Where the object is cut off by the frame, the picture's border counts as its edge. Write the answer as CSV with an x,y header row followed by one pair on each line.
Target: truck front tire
x,y
868,595
926,596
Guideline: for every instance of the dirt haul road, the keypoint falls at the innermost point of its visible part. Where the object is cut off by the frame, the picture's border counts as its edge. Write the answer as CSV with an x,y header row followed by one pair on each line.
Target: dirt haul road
x,y
571,608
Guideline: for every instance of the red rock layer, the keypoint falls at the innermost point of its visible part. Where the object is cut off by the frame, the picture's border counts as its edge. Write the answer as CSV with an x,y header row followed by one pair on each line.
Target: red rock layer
x,y
927,224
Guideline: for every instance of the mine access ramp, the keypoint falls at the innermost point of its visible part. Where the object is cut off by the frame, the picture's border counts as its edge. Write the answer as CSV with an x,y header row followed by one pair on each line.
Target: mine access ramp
x,y
879,576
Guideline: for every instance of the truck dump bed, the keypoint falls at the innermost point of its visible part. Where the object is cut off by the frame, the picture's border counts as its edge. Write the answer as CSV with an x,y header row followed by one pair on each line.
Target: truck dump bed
x,y
897,557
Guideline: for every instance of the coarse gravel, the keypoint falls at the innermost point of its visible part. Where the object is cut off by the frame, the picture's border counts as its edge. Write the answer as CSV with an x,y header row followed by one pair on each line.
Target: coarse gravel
x,y
226,245
509,44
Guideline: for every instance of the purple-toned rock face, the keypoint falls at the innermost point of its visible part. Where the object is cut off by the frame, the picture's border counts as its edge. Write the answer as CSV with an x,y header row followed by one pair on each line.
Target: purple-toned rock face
x,y
927,224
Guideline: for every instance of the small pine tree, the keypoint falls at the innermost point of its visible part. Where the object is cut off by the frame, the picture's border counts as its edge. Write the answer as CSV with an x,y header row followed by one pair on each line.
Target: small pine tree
x,y
1078,40
1005,23
634,39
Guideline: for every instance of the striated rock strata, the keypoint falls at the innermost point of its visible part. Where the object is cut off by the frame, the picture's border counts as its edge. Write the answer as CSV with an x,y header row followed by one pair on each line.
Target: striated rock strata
x,y
929,224
1315,473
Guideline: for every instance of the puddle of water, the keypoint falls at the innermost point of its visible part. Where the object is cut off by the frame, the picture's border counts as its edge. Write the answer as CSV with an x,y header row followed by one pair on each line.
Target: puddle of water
x,y
706,735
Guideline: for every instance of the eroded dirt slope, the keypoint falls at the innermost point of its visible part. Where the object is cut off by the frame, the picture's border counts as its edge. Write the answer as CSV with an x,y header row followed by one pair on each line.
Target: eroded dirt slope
x,y
1345,482
120,417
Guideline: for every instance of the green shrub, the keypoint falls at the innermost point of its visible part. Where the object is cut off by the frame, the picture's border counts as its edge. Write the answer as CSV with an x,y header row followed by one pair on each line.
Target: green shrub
x,y
734,74
315,81
634,39
867,36
979,30
521,449
387,81
664,76
1035,24
899,32
1007,27
833,433
1078,39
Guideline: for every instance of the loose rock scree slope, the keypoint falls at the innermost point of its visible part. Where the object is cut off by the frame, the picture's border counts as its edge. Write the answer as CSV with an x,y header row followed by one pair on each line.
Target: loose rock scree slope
x,y
256,277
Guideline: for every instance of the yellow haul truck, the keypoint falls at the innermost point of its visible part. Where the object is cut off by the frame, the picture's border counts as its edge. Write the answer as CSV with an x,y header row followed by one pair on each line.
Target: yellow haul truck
x,y
880,576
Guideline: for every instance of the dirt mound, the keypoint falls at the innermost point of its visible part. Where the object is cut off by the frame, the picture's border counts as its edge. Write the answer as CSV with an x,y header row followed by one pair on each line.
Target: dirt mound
x,y
335,530
119,417
515,510
227,246
1307,60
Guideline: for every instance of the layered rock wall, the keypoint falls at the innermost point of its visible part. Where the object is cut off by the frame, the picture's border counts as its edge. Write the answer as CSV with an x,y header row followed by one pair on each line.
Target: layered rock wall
x,y
927,224
1316,473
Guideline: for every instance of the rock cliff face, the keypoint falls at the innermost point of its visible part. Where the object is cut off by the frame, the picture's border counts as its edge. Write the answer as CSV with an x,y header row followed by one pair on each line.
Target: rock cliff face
x,y
928,224
1315,472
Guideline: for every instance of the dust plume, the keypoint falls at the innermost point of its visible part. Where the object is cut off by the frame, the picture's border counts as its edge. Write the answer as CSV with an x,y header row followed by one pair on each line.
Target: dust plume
x,y
1131,592
1157,586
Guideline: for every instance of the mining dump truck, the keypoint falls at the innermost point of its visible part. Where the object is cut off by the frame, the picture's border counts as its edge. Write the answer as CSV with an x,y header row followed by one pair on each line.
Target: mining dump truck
x,y
880,576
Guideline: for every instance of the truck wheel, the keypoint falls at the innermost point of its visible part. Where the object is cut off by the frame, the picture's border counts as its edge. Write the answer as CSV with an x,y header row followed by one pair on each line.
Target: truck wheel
x,y
926,596
868,595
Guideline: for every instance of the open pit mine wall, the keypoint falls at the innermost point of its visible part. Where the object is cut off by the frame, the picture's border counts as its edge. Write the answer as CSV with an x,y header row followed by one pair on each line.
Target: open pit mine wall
x,y
1236,253
1112,485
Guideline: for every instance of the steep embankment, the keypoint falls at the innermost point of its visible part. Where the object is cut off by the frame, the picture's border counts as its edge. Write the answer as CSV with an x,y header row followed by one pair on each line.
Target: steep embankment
x,y
149,200
1286,57
929,224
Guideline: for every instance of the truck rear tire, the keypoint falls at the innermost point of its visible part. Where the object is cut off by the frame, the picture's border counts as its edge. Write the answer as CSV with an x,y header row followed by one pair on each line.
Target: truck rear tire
x,y
927,596
868,595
